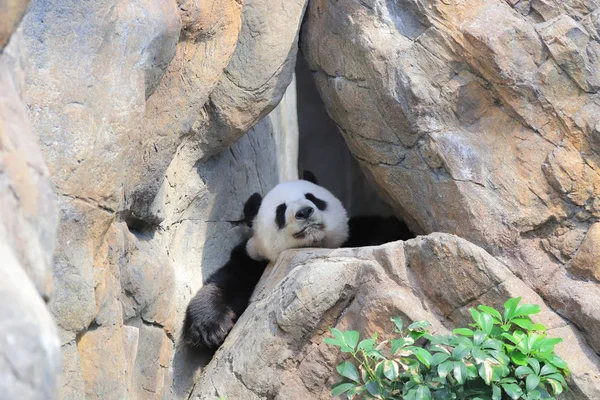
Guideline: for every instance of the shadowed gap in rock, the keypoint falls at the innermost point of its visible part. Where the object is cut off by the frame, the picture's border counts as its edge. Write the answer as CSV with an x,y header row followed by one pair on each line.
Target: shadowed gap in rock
x,y
323,151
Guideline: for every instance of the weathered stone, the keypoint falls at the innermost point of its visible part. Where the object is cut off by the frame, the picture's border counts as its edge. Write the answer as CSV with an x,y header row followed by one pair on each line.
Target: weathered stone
x,y
151,370
29,343
11,11
122,95
586,262
276,351
103,363
476,119
29,346
29,216
573,51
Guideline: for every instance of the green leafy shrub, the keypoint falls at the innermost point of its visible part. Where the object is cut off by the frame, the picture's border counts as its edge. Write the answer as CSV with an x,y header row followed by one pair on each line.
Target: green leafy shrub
x,y
502,357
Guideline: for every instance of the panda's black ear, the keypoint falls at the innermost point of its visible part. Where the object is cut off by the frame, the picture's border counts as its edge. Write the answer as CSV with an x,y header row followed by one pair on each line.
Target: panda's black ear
x,y
309,176
251,208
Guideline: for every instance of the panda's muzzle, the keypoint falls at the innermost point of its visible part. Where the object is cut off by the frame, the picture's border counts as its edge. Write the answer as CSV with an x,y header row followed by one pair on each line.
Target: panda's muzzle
x,y
308,229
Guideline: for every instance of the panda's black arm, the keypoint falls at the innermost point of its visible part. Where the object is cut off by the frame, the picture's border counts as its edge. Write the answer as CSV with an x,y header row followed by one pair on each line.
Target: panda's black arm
x,y
223,298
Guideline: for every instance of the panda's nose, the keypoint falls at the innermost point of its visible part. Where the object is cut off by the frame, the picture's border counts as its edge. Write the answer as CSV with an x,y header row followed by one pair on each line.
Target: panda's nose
x,y
304,213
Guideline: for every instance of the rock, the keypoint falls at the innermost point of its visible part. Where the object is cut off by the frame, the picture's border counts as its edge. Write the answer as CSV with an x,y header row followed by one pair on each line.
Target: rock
x,y
103,363
276,350
132,103
29,343
570,45
479,120
12,12
29,218
29,346
586,262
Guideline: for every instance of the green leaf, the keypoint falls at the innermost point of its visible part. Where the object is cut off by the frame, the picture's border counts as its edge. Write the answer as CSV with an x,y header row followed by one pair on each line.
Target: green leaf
x,y
348,370
538,327
557,361
535,365
518,358
513,390
523,370
438,349
485,372
478,355
444,368
390,369
556,386
439,358
460,372
532,382
548,369
459,352
492,344
557,377
398,322
527,309
332,341
463,331
366,345
547,345
418,325
523,323
478,337
509,308
373,388
341,387
492,311
496,392
351,338
375,354
338,334
422,355
486,323
423,393
401,343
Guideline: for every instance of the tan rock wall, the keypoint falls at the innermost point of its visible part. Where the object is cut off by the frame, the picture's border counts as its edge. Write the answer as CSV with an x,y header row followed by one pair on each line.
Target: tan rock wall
x,y
133,103
29,345
476,118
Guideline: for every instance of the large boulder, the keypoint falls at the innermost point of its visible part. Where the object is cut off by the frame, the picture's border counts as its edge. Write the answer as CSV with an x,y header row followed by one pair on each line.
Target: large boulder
x,y
480,119
276,349
29,345
133,103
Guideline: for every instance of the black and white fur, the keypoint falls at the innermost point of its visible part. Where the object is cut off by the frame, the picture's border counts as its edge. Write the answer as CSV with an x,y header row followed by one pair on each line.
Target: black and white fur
x,y
292,215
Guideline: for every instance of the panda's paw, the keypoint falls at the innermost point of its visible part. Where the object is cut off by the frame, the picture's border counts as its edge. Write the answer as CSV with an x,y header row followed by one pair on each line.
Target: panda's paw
x,y
208,320
210,332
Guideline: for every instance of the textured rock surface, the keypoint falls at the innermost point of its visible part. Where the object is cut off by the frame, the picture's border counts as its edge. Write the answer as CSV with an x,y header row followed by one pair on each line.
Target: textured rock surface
x,y
11,11
480,119
29,345
276,349
133,103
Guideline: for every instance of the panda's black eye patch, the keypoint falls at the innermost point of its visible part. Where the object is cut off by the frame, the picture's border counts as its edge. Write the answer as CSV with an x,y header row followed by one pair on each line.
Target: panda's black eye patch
x,y
280,215
321,204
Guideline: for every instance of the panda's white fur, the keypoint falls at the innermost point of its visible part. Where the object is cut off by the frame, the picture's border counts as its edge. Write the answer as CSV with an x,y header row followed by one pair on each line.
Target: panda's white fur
x,y
324,228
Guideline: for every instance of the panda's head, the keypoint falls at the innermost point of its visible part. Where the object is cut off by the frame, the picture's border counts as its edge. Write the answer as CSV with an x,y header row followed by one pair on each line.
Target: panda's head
x,y
295,214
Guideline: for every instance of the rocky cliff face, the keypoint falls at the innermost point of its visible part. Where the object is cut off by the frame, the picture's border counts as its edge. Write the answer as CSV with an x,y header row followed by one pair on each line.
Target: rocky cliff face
x,y
132,103
131,133
481,119
29,345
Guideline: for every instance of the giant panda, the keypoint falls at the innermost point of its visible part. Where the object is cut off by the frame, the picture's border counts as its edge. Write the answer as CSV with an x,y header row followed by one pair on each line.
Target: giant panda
x,y
293,214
